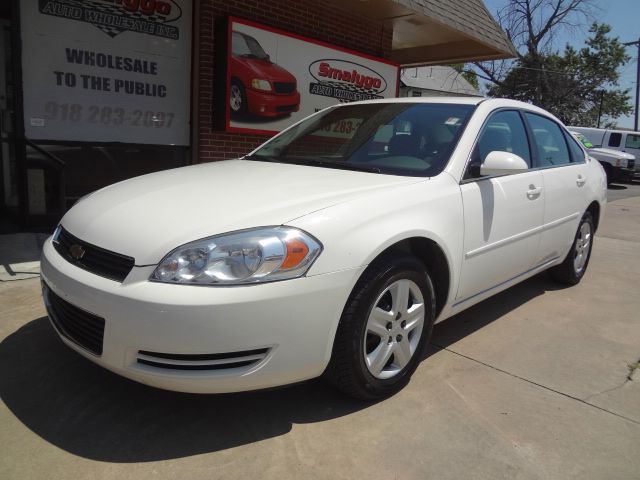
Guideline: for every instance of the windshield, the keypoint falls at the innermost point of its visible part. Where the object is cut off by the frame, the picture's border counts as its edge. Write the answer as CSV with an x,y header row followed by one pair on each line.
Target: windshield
x,y
414,139
246,46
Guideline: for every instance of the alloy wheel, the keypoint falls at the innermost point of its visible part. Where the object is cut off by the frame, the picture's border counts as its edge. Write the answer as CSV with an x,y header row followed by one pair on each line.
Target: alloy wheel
x,y
394,328
582,247
235,98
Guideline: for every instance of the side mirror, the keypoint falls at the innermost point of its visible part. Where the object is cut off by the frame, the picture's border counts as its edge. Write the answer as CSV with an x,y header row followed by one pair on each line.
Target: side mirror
x,y
502,163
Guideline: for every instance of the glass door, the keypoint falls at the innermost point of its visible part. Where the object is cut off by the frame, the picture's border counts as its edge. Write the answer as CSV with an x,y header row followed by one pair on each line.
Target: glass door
x,y
9,188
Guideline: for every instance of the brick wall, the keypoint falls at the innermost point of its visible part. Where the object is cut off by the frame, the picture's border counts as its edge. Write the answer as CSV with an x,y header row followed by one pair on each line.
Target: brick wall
x,y
309,18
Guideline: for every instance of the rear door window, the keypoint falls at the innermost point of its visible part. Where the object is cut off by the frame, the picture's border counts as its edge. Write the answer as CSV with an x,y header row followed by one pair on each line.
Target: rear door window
x,y
549,140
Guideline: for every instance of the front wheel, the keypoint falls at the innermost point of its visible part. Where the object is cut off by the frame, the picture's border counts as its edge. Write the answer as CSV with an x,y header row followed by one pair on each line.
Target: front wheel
x,y
574,266
384,328
237,98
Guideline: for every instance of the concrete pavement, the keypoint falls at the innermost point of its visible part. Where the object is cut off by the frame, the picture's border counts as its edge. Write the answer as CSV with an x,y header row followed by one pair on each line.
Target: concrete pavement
x,y
20,255
535,383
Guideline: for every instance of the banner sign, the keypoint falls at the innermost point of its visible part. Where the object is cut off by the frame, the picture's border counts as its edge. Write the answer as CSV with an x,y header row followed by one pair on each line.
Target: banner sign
x,y
107,70
275,78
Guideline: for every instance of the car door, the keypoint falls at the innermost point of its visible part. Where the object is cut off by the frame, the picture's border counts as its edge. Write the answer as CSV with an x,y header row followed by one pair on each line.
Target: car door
x,y
502,214
563,165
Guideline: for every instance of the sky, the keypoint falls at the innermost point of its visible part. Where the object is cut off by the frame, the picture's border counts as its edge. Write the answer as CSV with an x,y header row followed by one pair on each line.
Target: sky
x,y
624,18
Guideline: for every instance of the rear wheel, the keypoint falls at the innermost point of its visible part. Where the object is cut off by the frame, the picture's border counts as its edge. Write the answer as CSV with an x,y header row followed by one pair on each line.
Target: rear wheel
x,y
574,266
384,328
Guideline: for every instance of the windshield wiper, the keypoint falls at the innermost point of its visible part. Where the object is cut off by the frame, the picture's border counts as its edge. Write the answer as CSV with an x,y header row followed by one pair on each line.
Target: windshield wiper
x,y
339,165
262,158
358,167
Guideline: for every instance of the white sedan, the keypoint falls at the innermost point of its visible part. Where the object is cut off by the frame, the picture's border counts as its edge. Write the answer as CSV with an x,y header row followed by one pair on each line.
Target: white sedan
x,y
331,249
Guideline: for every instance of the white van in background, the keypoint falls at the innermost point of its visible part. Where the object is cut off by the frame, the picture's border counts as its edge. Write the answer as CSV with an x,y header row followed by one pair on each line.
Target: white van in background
x,y
624,140
617,165
621,140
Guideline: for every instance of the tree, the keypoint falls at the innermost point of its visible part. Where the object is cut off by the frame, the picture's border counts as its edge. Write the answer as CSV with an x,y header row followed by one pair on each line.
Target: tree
x,y
468,75
577,86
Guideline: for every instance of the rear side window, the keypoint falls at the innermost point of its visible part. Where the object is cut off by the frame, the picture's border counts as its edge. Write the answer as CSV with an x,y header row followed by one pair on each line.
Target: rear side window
x,y
549,140
615,139
577,153
633,141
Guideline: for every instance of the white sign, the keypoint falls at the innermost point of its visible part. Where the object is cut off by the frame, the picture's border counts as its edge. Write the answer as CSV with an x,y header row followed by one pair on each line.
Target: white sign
x,y
107,70
276,78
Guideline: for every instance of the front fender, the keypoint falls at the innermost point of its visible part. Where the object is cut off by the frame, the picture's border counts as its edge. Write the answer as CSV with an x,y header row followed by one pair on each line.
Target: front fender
x,y
356,232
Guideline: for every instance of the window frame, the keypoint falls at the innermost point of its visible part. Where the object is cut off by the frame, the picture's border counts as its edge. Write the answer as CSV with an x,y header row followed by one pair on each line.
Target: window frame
x,y
533,152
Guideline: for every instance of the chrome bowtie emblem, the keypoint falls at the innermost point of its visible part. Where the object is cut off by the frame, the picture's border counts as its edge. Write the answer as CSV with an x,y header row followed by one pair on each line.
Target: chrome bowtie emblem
x,y
77,251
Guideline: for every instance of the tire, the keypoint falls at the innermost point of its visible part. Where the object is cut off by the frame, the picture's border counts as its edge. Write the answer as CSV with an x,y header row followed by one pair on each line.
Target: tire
x,y
237,98
375,352
574,266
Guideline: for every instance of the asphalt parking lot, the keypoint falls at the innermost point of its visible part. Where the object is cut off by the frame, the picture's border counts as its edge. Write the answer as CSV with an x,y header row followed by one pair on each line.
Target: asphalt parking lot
x,y
539,382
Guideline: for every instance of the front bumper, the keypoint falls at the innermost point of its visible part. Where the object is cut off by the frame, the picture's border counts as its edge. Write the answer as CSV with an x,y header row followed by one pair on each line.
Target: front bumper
x,y
293,321
272,105
625,174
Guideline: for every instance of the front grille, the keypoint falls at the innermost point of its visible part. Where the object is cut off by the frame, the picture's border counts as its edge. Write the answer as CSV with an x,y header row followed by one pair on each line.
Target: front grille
x,y
284,87
631,164
202,361
82,328
91,258
285,108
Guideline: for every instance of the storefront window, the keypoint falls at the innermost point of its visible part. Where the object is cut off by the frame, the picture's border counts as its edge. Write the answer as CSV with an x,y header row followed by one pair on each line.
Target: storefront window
x,y
59,174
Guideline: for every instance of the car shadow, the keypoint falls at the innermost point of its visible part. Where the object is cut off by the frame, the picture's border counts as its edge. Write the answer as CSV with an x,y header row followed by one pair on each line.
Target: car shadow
x,y
462,325
93,413
615,186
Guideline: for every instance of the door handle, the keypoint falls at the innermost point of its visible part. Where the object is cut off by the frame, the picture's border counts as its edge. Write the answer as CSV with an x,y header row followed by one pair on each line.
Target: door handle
x,y
580,181
533,192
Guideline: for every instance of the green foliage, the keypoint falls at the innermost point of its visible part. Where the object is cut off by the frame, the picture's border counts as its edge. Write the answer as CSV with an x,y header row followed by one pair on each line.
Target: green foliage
x,y
468,75
576,85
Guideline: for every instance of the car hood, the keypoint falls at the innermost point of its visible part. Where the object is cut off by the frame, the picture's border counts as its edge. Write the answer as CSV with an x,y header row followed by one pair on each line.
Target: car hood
x,y
148,216
615,154
266,69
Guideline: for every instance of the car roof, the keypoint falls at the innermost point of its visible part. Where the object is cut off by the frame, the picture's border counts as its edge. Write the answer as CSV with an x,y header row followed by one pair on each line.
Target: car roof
x,y
602,130
492,103
439,99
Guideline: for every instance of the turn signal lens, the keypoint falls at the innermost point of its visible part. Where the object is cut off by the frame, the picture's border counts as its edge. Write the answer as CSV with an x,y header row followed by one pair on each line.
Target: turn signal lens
x,y
297,250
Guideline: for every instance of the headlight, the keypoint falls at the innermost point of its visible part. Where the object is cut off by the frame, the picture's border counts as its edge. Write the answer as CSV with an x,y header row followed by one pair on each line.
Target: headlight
x,y
249,256
259,84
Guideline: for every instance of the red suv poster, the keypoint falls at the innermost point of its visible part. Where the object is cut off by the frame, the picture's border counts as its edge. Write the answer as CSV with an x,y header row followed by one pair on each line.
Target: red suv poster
x,y
275,78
